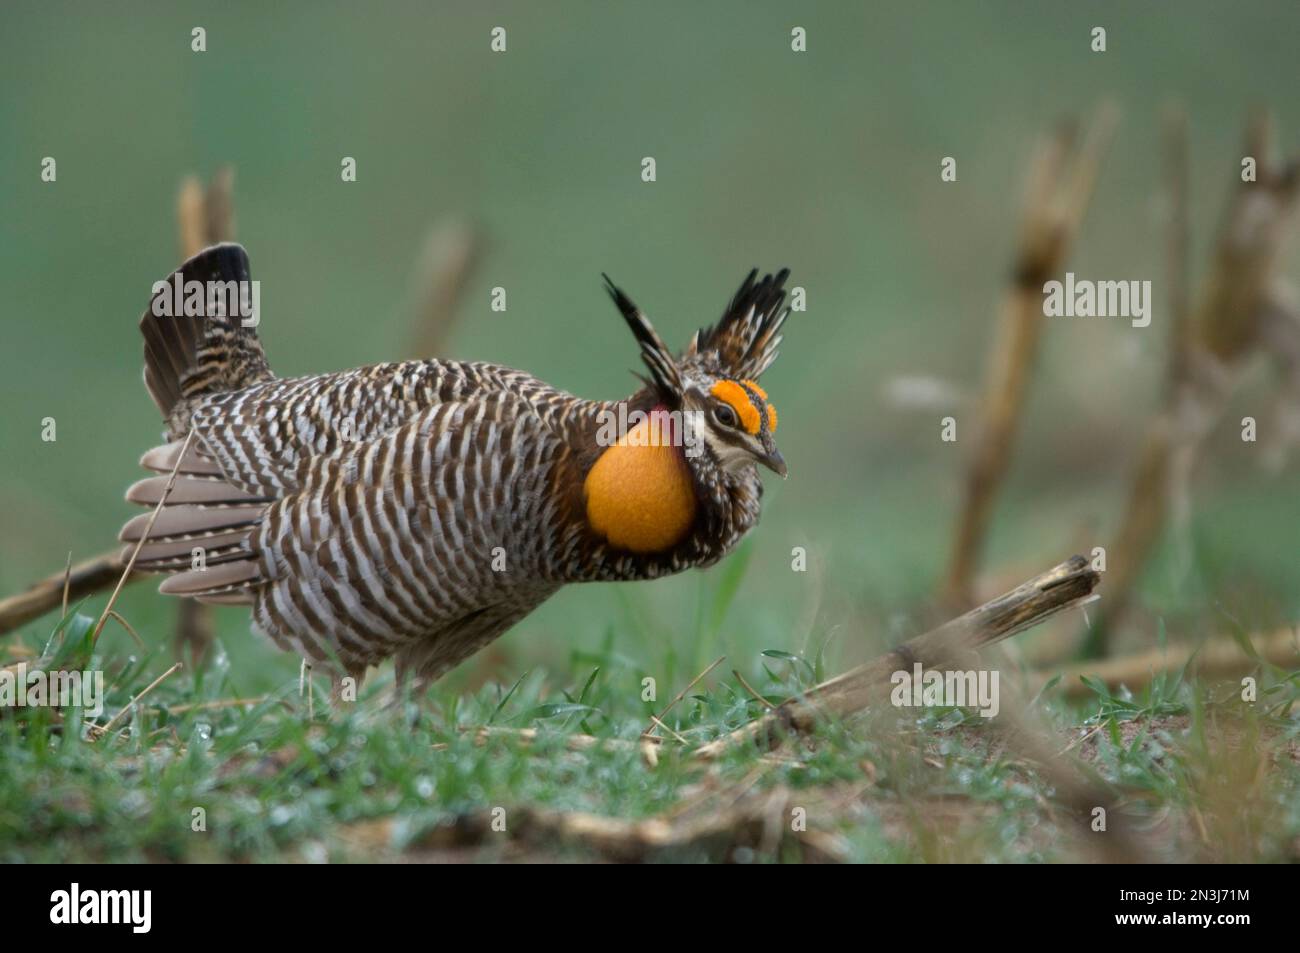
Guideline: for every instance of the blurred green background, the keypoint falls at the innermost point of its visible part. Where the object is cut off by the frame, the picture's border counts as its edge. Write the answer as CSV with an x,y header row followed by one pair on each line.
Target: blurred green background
x,y
826,161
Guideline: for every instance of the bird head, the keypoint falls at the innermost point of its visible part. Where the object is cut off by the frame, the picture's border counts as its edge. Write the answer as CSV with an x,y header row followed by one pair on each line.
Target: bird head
x,y
714,382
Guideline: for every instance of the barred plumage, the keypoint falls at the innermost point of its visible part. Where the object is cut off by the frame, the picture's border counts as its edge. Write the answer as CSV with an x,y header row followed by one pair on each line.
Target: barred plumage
x,y
419,509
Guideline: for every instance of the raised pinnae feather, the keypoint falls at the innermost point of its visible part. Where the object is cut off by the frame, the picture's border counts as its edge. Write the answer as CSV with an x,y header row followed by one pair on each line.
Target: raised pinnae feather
x,y
658,358
746,337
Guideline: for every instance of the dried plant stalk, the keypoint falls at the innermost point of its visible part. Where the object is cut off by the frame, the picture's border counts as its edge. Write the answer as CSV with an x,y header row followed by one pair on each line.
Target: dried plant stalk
x,y
203,218
1056,201
952,644
448,260
1219,658
1238,312
84,579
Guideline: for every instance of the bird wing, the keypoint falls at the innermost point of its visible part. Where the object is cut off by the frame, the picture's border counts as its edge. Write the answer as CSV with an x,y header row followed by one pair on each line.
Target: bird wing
x,y
264,439
747,338
389,539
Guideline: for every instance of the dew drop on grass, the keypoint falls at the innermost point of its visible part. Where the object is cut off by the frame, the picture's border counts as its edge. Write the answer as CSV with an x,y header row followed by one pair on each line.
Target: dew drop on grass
x,y
424,787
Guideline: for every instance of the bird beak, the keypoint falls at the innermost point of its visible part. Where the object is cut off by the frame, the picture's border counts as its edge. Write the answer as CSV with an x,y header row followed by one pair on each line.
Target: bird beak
x,y
772,459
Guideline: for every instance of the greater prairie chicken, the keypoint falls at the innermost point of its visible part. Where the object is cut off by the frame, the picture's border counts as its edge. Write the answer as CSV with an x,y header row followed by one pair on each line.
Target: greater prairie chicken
x,y
419,509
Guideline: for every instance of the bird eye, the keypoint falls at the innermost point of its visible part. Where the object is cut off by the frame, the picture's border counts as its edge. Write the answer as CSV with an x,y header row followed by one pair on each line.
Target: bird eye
x,y
725,415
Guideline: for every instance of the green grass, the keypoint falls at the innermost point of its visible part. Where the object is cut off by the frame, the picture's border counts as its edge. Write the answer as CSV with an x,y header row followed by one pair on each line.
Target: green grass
x,y
379,780
903,273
